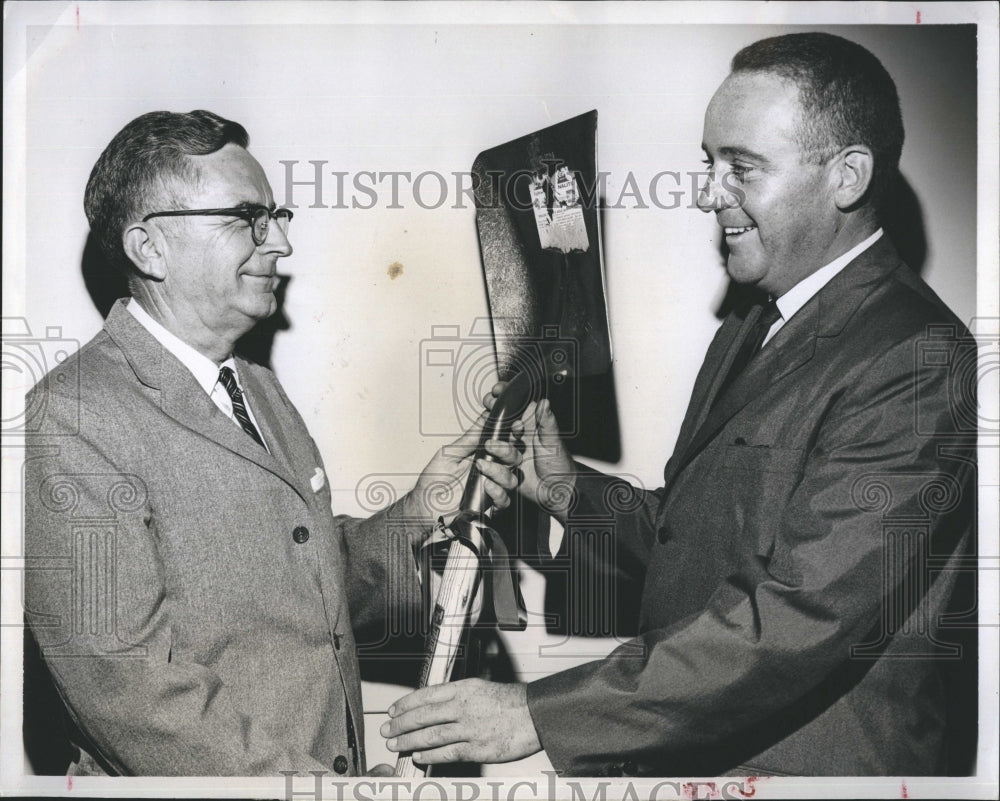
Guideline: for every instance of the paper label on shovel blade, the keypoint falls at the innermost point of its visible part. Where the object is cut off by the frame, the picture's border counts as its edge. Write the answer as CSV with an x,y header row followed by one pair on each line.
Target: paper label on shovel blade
x,y
555,198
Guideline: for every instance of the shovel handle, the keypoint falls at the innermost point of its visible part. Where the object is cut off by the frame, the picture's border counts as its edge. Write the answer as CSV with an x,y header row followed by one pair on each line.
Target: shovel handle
x,y
521,390
449,621
462,567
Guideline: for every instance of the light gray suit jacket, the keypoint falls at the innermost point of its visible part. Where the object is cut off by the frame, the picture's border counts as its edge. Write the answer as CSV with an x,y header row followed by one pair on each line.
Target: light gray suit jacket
x,y
190,592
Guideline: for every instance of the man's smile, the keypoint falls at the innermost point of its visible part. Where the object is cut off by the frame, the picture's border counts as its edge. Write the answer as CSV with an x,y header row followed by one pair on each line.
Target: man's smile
x,y
735,231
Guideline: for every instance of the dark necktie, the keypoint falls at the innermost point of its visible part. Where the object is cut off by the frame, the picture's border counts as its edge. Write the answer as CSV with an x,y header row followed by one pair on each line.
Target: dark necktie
x,y
228,379
751,345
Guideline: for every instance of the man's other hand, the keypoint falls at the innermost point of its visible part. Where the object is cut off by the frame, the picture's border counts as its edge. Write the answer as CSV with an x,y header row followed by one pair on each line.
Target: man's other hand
x,y
463,721
548,475
439,488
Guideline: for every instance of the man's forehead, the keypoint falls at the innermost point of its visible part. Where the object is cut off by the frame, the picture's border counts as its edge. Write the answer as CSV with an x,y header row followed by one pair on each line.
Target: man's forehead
x,y
229,177
753,92
750,109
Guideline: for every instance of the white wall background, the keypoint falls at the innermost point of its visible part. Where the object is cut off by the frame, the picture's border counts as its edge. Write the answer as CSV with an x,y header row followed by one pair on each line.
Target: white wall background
x,y
430,96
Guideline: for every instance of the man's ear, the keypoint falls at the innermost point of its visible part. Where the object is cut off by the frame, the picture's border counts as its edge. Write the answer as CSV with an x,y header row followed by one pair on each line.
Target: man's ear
x,y
144,246
853,168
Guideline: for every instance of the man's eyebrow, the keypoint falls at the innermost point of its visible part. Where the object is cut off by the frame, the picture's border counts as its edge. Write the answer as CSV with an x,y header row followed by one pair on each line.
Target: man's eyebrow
x,y
731,152
253,204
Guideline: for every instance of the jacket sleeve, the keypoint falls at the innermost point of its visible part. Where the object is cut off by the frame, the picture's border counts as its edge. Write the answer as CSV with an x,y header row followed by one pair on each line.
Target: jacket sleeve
x,y
94,598
626,510
776,628
383,584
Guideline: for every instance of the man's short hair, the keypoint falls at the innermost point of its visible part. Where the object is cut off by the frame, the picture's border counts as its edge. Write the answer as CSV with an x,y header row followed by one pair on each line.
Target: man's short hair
x,y
144,166
847,97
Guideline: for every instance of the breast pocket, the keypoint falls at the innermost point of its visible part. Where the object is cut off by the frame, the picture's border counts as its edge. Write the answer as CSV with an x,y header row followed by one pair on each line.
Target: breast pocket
x,y
761,480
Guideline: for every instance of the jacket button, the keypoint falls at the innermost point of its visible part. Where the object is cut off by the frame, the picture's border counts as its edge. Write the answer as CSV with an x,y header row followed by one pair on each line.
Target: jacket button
x,y
340,764
662,534
300,534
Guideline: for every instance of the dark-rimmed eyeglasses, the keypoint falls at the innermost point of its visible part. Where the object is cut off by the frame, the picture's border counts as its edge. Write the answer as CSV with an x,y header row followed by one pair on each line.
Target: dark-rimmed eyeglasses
x,y
258,217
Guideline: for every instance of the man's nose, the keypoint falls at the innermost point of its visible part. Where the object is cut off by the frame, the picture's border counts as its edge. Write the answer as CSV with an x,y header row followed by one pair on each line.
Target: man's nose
x,y
277,241
713,194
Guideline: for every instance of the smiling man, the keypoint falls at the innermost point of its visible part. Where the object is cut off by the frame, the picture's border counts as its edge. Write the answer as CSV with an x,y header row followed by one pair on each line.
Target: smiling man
x,y
193,595
798,562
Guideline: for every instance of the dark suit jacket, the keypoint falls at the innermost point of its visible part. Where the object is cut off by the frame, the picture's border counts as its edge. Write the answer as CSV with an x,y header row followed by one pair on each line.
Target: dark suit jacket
x,y
799,558
190,591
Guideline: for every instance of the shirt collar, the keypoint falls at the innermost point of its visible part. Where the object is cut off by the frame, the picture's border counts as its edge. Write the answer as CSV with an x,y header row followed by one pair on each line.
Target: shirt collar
x,y
800,294
204,370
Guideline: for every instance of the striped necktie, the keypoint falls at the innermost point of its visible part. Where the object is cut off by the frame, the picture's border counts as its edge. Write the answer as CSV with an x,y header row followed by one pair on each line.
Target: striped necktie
x,y
228,379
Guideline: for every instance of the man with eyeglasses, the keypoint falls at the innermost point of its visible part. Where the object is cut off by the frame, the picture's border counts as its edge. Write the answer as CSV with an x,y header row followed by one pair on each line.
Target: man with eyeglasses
x,y
196,600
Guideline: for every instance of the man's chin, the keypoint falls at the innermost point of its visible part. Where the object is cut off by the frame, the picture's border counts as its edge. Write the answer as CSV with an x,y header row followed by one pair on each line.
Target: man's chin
x,y
262,306
741,272
270,308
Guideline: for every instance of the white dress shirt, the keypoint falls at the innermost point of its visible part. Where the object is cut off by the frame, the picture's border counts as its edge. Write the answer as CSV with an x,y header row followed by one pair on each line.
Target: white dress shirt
x,y
204,370
800,294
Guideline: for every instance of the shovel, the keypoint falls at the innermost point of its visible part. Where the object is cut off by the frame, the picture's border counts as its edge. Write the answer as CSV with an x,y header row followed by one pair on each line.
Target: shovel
x,y
540,240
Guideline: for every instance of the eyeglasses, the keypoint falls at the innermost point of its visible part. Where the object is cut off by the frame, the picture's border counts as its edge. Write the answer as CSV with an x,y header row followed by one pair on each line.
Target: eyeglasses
x,y
258,217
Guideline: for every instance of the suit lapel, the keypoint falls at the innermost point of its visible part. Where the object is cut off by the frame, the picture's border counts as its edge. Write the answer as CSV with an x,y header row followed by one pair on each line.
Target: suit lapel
x,y
824,315
723,362
719,357
793,346
282,439
185,401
